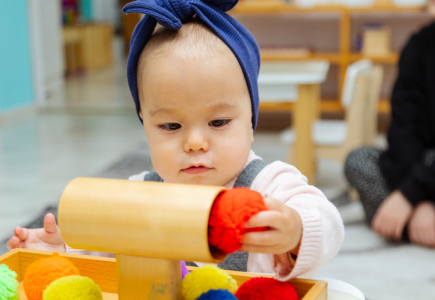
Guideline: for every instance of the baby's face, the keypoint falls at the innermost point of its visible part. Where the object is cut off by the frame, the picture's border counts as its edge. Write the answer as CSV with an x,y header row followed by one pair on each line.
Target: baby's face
x,y
197,117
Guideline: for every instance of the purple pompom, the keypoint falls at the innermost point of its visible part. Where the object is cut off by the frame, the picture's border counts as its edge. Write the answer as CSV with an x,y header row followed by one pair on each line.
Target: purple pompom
x,y
184,270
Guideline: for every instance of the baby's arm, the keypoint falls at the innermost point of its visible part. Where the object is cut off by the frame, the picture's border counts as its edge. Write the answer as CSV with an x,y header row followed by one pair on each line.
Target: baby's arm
x,y
322,226
47,238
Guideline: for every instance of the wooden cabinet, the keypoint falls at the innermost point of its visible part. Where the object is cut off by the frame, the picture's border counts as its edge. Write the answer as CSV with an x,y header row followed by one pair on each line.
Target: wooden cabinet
x,y
88,47
345,53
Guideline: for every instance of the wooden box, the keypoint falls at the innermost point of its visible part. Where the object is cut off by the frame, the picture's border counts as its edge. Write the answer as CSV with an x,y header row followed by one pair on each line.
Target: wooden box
x,y
103,271
377,42
96,48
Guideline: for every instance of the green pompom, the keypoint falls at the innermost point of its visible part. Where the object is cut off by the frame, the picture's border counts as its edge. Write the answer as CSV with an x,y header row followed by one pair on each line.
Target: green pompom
x,y
8,284
73,288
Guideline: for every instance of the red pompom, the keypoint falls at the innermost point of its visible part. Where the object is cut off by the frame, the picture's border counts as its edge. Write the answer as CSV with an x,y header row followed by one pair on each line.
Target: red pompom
x,y
230,211
261,288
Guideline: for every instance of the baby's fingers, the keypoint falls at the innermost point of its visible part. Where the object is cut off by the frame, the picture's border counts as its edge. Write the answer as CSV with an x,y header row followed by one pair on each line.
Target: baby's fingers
x,y
13,243
263,238
21,233
267,218
276,249
50,223
273,204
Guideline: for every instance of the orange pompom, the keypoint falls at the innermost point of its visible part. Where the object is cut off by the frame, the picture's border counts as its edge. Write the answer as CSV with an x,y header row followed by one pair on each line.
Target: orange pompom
x,y
44,271
229,213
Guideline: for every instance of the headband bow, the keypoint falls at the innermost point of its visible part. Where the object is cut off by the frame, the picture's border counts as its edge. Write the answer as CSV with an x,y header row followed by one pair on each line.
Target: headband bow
x,y
172,14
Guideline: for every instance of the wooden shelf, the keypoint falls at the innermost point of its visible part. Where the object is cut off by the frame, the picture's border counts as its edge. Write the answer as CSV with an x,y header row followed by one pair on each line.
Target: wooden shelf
x,y
268,55
333,58
389,8
391,58
326,106
281,7
344,55
278,7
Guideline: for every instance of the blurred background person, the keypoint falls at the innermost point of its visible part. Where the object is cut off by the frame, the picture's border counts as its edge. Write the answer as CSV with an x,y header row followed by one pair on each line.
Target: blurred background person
x,y
397,186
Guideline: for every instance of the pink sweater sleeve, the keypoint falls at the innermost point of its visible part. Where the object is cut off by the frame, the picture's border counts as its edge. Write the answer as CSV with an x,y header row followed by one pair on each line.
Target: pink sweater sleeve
x,y
323,229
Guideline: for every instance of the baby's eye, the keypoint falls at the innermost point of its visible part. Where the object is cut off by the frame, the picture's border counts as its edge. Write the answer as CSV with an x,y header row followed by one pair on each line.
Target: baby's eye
x,y
170,126
218,123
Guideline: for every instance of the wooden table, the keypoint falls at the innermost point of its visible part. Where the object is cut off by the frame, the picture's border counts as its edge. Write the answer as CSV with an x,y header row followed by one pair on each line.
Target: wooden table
x,y
297,82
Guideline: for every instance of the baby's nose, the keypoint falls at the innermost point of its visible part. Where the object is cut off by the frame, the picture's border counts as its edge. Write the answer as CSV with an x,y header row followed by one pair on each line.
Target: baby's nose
x,y
196,141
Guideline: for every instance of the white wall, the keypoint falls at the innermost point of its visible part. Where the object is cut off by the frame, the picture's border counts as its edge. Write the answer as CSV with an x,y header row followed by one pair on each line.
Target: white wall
x,y
48,57
107,11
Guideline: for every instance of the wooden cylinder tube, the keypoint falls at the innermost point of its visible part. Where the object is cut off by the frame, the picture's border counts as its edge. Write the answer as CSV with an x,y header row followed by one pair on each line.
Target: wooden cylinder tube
x,y
149,226
146,219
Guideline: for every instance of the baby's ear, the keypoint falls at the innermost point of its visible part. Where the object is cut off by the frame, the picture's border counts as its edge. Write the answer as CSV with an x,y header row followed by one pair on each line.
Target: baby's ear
x,y
140,114
252,135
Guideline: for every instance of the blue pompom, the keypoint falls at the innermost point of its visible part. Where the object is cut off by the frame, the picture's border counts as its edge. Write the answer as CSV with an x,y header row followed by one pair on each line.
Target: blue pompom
x,y
217,295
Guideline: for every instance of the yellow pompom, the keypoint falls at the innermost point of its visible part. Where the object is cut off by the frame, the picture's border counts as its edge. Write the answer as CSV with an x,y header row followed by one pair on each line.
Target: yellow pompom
x,y
207,278
73,288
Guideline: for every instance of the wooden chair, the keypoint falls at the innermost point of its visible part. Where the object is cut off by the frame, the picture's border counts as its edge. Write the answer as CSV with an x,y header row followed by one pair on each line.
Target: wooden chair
x,y
334,139
375,84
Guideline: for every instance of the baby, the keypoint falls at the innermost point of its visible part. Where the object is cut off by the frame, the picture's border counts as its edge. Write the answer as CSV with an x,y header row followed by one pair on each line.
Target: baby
x,y
195,91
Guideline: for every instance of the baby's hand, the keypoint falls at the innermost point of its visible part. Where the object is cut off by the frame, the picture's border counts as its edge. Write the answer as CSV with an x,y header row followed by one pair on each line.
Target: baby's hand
x,y
284,234
47,238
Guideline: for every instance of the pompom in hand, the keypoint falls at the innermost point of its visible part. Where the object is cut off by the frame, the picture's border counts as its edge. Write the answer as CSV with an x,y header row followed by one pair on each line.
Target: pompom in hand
x,y
230,211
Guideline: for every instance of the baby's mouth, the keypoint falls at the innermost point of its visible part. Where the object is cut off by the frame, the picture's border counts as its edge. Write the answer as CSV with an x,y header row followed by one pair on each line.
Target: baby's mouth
x,y
193,170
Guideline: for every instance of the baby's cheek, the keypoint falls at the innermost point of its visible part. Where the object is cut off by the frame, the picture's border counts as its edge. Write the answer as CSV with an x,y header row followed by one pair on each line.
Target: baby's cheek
x,y
233,154
162,160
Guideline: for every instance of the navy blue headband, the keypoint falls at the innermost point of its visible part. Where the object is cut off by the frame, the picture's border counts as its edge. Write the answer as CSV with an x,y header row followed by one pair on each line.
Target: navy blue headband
x,y
172,14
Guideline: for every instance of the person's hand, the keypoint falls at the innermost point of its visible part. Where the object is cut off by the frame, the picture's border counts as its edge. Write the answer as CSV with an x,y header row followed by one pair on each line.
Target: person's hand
x,y
421,228
284,234
47,238
392,216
